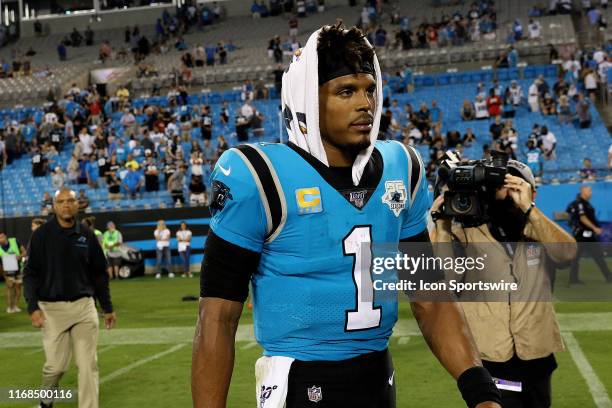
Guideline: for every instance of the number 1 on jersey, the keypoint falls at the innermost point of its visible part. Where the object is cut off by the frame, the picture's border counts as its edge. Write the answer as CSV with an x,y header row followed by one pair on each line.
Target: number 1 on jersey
x,y
358,244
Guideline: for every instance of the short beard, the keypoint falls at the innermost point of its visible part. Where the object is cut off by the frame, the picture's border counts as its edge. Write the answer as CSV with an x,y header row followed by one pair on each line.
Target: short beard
x,y
351,149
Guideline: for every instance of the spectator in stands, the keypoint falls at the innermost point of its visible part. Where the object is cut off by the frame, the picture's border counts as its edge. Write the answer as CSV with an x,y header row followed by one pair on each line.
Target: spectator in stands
x,y
83,200
468,137
543,86
565,112
39,164
62,52
246,110
423,118
412,135
183,238
197,191
72,169
517,29
162,249
535,29
92,171
114,186
435,112
583,113
222,145
13,144
480,107
38,29
548,105
494,104
151,173
175,185
293,26
534,96
58,178
548,144
75,38
587,172
513,57
534,159
89,36
46,207
132,183
257,124
590,83
222,52
128,121
496,128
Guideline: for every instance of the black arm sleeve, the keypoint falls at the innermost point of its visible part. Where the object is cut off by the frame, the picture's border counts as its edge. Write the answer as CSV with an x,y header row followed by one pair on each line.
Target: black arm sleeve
x,y
99,276
416,246
33,270
226,269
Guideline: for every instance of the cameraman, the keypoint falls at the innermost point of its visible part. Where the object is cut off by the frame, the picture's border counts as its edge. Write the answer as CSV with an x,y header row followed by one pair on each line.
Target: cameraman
x,y
516,339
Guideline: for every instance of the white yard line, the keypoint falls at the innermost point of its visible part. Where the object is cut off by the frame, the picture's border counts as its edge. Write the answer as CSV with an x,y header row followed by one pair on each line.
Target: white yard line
x,y
569,322
138,363
597,389
103,349
403,340
249,345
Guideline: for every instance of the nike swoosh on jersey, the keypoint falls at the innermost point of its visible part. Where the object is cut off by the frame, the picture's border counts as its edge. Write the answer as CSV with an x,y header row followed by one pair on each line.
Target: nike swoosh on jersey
x,y
225,172
391,378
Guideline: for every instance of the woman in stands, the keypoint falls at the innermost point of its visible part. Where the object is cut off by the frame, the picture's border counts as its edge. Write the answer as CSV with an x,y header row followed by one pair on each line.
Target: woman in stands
x,y
467,111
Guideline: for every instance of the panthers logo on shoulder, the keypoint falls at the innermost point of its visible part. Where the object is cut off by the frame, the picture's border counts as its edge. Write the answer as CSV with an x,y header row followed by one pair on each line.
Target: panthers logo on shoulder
x,y
220,195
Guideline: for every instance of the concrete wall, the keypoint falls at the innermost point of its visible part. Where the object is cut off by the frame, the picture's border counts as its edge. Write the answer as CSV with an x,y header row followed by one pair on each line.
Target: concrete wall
x,y
142,16
112,19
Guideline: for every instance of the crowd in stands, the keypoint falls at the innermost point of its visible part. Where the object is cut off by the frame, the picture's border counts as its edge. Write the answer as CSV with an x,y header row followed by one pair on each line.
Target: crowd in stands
x,y
127,150
582,79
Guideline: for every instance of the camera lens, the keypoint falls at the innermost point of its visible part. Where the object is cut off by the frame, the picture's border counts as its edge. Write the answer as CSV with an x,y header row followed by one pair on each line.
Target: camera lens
x,y
461,204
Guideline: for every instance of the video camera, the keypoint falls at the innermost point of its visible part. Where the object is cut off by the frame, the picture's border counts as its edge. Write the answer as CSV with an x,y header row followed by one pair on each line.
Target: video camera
x,y
470,185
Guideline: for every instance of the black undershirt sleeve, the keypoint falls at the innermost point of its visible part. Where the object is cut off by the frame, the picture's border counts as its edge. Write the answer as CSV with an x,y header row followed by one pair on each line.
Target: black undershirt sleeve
x,y
416,246
226,269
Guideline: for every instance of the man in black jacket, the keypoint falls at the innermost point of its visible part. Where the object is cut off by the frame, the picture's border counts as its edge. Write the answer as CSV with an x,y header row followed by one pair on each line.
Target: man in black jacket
x,y
66,270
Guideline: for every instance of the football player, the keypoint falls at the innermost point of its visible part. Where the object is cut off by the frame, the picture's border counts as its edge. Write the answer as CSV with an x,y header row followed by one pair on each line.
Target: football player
x,y
298,222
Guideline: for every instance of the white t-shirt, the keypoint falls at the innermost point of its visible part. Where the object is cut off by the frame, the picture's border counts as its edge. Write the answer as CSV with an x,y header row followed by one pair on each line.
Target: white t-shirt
x,y
163,238
533,94
535,29
481,109
88,141
590,81
416,134
598,56
247,111
603,70
517,95
50,117
183,238
548,141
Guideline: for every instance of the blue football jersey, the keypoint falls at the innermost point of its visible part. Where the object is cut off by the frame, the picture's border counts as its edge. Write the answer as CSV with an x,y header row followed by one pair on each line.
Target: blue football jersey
x,y
313,297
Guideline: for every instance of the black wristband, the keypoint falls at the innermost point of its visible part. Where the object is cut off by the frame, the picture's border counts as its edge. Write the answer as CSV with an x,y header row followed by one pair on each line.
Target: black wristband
x,y
529,210
476,386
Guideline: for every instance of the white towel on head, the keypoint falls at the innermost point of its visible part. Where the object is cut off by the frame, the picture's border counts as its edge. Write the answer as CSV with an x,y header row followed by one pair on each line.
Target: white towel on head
x,y
300,99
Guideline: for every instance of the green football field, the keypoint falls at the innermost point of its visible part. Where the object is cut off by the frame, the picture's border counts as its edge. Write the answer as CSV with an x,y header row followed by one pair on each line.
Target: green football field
x,y
145,361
